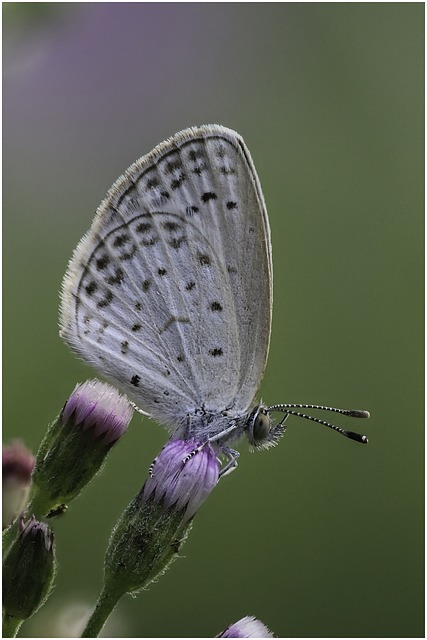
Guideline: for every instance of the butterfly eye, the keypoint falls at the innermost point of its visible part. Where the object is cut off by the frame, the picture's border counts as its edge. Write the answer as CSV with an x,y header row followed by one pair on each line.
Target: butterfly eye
x,y
260,429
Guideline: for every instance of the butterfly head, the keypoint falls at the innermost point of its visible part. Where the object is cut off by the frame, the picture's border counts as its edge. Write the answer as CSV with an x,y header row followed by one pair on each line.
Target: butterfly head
x,y
260,429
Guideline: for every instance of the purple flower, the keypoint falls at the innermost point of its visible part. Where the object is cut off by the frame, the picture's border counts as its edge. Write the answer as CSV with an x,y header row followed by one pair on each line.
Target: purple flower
x,y
18,464
76,444
154,526
182,476
247,627
98,408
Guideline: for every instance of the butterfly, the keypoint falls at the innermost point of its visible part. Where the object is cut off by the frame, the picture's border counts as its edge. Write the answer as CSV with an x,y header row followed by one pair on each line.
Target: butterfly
x,y
169,294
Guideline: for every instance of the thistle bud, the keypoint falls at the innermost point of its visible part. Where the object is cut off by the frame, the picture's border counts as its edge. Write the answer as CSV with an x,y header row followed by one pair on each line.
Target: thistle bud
x,y
247,627
28,572
18,464
75,446
155,524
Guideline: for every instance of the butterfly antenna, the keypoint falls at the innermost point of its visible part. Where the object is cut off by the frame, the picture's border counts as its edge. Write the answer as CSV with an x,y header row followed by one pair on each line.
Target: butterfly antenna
x,y
353,413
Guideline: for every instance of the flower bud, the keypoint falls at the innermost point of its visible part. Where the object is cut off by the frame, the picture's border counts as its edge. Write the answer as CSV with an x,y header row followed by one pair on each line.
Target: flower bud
x,y
94,417
99,410
180,485
28,570
18,464
247,627
150,532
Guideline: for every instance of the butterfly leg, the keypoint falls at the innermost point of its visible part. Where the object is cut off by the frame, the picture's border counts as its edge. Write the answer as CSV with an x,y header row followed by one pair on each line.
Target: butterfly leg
x,y
216,438
151,468
136,408
222,434
193,452
232,464
184,460
152,465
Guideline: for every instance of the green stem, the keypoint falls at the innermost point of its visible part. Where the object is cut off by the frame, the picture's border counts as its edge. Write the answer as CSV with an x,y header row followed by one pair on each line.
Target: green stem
x,y
104,607
39,505
10,626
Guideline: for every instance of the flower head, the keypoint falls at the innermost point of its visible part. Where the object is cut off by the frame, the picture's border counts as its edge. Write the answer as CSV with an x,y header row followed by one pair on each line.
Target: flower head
x,y
18,464
98,408
154,526
247,627
183,475
75,446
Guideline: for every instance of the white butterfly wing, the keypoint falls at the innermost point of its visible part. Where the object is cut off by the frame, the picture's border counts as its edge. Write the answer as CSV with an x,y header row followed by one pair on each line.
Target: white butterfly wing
x,y
169,293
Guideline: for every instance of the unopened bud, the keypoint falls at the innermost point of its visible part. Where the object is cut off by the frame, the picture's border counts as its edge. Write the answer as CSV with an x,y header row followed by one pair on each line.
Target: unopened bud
x,y
75,446
28,570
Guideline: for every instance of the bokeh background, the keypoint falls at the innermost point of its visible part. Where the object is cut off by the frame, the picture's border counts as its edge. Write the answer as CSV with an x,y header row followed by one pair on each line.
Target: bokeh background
x,y
320,536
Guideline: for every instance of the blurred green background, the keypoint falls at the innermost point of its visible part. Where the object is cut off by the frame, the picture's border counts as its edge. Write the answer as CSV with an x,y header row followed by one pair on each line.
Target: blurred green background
x,y
320,536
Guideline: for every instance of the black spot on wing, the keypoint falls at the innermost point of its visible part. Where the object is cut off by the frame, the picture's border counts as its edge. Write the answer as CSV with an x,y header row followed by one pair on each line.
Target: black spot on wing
x,y
204,259
191,210
120,240
195,154
144,227
146,284
200,169
216,352
209,195
175,243
177,182
149,242
106,300
102,262
91,288
173,165
169,225
117,278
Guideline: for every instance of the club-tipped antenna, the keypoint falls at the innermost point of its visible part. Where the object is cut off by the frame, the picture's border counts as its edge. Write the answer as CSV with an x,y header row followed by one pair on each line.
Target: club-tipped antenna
x,y
353,413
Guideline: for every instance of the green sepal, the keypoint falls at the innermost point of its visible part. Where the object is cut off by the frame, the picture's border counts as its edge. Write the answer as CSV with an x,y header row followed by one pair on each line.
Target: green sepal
x,y
143,544
68,458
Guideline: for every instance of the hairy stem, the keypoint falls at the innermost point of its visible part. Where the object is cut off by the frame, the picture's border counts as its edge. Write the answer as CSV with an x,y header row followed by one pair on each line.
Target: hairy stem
x,y
104,607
